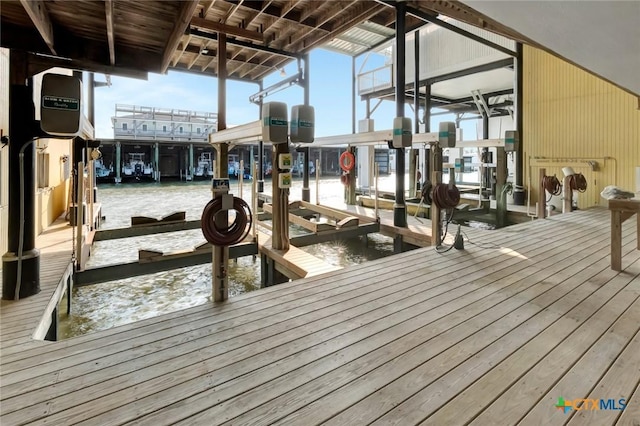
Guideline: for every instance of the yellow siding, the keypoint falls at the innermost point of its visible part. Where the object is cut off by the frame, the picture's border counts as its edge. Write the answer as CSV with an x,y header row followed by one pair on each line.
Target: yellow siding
x,y
51,202
4,152
571,117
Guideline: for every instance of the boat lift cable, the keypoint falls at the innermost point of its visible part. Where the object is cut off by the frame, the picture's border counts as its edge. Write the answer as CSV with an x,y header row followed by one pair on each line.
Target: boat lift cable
x,y
578,182
230,234
552,185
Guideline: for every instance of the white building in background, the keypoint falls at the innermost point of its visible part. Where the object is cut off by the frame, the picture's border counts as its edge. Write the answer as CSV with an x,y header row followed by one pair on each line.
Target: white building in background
x,y
150,123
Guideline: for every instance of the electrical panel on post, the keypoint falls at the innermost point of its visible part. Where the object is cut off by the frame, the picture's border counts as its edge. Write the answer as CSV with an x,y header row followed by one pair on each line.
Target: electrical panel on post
x,y
275,126
285,161
402,136
511,141
302,125
60,111
447,134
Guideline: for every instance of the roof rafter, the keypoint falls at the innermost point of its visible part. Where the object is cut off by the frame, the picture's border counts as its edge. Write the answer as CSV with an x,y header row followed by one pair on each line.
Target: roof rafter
x,y
37,11
108,11
184,17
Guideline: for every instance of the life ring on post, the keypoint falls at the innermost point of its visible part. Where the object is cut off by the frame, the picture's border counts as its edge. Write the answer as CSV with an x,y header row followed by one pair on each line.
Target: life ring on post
x,y
347,161
345,179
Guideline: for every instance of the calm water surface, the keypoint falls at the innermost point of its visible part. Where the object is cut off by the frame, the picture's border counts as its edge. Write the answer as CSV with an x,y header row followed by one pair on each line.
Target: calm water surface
x,y
106,305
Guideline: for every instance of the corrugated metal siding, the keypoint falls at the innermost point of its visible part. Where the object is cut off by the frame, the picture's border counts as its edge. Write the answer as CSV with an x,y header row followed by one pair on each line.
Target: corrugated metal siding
x,y
571,117
443,51
4,152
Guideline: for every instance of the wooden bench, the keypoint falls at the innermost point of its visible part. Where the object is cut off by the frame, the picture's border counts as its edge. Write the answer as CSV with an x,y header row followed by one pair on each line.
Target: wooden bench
x,y
622,210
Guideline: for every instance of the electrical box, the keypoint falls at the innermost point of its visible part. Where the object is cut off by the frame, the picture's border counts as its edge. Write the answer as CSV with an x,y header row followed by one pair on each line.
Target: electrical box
x,y
302,125
511,141
447,134
220,185
285,161
60,112
365,125
459,165
284,180
274,122
402,136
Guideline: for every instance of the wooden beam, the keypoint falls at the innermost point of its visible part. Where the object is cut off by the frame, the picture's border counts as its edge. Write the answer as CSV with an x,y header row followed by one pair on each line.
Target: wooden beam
x,y
108,10
227,29
37,11
365,13
184,18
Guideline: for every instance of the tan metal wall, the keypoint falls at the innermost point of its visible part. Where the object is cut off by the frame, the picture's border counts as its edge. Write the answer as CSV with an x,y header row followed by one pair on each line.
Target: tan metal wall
x,y
4,152
571,118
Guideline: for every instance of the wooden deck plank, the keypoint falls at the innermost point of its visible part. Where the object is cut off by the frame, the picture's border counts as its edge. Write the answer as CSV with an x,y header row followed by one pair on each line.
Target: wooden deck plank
x,y
292,397
135,330
254,367
524,362
543,332
427,365
619,382
91,367
329,346
58,385
631,415
561,374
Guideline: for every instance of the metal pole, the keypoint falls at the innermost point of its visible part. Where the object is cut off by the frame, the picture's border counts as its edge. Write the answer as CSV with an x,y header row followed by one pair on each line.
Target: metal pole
x,y
399,207
375,201
317,182
260,148
519,193
353,94
79,214
306,193
118,159
240,178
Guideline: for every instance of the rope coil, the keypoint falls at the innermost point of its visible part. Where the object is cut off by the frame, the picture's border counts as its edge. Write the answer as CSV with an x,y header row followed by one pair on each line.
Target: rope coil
x,y
347,161
445,197
552,185
578,182
426,192
232,233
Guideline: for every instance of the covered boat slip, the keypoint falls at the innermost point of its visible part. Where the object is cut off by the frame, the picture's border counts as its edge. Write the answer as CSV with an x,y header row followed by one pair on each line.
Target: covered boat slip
x,y
493,334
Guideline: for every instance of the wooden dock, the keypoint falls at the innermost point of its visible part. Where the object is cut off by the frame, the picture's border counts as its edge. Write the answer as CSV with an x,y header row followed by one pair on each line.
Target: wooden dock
x,y
492,335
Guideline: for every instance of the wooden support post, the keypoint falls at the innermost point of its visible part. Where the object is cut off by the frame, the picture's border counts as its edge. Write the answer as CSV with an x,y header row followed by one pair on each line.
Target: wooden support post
x,y
280,201
542,195
436,178
567,195
413,172
79,214
616,240
501,181
92,171
351,188
436,235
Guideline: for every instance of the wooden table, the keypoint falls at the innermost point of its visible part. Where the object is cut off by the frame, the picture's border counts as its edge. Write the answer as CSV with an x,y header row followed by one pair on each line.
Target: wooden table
x,y
622,210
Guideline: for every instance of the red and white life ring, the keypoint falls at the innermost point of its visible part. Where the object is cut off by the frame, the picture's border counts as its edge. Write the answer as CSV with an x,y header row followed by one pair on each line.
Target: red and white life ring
x,y
347,161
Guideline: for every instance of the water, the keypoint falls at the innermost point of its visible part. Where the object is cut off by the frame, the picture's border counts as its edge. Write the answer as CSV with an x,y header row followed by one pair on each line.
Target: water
x,y
106,305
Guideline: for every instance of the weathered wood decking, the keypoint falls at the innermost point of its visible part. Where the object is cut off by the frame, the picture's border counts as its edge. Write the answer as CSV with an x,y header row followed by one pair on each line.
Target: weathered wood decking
x,y
492,335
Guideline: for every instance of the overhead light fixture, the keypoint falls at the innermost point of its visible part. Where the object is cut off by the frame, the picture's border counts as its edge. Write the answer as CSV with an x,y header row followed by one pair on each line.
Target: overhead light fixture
x,y
204,51
283,73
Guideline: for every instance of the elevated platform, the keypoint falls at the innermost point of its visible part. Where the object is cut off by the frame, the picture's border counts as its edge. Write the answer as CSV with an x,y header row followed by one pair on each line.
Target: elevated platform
x,y
528,313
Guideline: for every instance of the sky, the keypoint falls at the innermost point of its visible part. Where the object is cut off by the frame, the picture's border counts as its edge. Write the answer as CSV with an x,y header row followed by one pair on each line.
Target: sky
x,y
330,95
